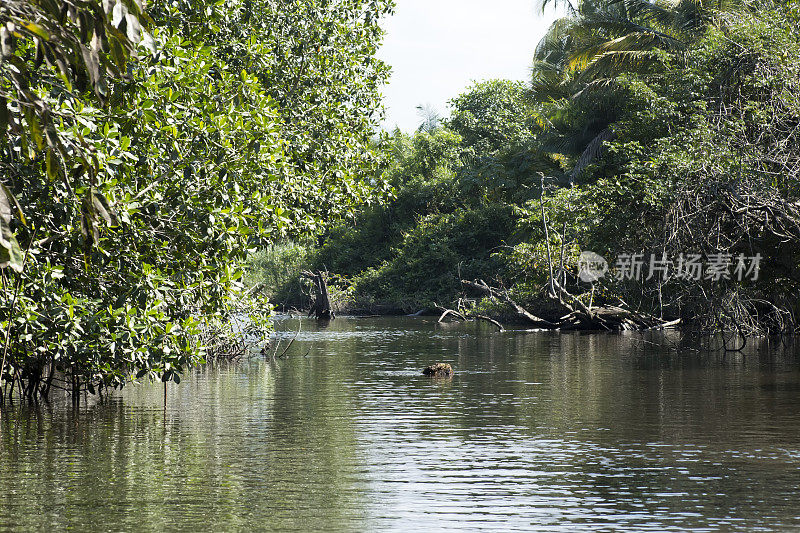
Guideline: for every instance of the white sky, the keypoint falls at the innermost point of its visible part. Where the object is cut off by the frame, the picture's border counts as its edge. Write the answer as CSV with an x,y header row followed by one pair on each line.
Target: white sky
x,y
436,48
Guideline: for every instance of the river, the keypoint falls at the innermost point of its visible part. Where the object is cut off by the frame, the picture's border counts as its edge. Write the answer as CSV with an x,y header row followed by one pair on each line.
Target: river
x,y
535,431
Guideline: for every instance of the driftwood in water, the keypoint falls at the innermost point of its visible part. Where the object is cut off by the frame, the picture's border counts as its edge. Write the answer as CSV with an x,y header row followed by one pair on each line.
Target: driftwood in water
x,y
321,306
464,318
581,316
451,312
493,293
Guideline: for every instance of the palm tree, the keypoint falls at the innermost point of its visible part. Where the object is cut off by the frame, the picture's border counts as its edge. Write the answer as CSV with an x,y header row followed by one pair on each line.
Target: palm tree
x,y
431,119
577,63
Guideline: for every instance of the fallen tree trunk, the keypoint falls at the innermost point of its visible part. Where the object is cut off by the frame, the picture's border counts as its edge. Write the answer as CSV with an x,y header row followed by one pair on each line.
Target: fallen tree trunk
x,y
493,293
466,317
321,305
451,312
580,317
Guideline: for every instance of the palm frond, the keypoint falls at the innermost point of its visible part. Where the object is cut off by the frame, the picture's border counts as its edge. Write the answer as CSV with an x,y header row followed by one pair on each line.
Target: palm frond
x,y
599,85
556,42
658,13
618,62
693,15
632,42
593,150
610,25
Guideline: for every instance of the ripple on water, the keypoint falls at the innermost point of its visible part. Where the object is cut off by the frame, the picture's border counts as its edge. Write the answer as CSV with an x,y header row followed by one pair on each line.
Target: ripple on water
x,y
535,431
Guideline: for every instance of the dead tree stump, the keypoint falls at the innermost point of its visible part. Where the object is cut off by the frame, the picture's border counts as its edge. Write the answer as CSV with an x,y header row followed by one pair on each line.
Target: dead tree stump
x,y
321,305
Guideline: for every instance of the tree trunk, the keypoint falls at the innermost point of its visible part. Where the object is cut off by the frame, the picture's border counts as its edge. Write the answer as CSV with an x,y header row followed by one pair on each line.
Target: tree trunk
x,y
606,317
321,307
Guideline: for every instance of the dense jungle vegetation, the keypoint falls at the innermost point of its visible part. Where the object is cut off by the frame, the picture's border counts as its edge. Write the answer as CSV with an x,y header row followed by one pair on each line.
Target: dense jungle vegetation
x,y
146,150
151,153
667,128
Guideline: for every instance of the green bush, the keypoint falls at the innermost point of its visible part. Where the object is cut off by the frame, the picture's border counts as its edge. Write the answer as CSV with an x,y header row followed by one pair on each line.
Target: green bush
x,y
277,269
144,155
441,249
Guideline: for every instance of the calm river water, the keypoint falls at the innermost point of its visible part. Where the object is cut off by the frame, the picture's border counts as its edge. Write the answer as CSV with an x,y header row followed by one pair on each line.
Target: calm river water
x,y
536,431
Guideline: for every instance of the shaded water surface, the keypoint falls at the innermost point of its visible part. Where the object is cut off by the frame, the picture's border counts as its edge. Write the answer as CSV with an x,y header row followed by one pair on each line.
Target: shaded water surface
x,y
536,431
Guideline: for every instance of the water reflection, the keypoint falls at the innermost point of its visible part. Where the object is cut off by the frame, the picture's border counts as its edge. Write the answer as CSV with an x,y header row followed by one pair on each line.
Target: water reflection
x,y
535,431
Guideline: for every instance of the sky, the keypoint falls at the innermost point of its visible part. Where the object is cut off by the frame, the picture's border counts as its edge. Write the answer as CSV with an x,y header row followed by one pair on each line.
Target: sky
x,y
437,48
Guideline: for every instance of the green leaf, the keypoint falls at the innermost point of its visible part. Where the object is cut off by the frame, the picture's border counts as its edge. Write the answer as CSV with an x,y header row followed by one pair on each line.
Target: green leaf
x,y
6,201
52,7
36,30
6,42
52,164
3,116
92,62
53,140
36,128
133,29
103,209
89,229
10,253
5,206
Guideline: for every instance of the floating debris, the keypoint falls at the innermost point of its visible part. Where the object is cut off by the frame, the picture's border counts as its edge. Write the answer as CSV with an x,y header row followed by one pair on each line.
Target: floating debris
x,y
438,370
